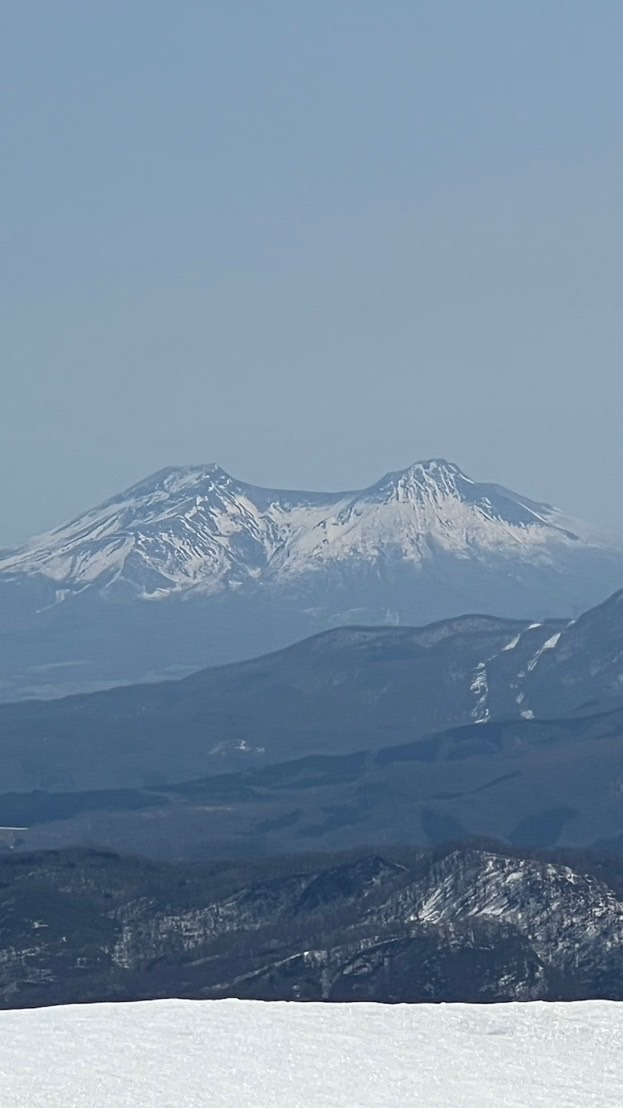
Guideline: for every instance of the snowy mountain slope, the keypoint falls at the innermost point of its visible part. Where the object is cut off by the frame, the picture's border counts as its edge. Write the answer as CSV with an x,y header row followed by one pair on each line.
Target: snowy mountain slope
x,y
314,1056
192,568
585,664
532,896
180,529
429,508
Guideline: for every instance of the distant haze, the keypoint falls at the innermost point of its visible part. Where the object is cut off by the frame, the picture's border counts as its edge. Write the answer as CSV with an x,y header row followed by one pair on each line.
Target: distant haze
x,y
312,242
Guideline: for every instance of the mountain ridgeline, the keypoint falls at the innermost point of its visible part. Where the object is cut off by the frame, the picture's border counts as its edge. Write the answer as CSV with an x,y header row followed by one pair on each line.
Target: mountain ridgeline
x,y
191,568
463,923
470,726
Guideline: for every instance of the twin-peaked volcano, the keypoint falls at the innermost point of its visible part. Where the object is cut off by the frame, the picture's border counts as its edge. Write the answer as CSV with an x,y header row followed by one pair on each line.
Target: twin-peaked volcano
x,y
198,528
258,567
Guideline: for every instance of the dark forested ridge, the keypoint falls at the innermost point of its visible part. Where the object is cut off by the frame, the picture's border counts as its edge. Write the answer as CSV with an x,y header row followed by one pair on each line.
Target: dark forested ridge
x,y
335,693
539,783
338,693
466,922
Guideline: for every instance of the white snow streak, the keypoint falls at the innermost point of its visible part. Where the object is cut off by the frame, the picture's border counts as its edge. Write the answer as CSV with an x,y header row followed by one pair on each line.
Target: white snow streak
x,y
549,644
480,688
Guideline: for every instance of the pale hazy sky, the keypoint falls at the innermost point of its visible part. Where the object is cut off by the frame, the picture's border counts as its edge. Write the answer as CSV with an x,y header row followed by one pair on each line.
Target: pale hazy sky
x,y
312,241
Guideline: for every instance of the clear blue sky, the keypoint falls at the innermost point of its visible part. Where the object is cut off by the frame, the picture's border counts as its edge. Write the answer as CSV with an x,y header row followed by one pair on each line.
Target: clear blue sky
x,y
311,241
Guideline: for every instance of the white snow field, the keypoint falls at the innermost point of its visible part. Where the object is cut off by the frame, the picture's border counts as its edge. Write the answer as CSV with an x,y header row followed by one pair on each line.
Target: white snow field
x,y
181,1054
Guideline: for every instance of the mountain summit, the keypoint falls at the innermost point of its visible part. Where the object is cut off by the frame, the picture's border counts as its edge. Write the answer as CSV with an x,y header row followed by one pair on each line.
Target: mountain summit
x,y
198,528
256,568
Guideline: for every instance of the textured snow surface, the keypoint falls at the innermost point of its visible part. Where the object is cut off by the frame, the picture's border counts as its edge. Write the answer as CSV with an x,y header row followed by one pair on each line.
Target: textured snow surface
x,y
177,1053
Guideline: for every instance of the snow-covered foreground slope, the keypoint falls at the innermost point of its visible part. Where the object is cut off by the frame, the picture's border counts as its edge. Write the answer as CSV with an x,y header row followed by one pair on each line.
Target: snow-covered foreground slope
x,y
165,1054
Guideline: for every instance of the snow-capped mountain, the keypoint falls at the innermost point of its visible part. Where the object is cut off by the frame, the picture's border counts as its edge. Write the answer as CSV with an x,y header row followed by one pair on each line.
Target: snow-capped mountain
x,y
197,528
264,567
